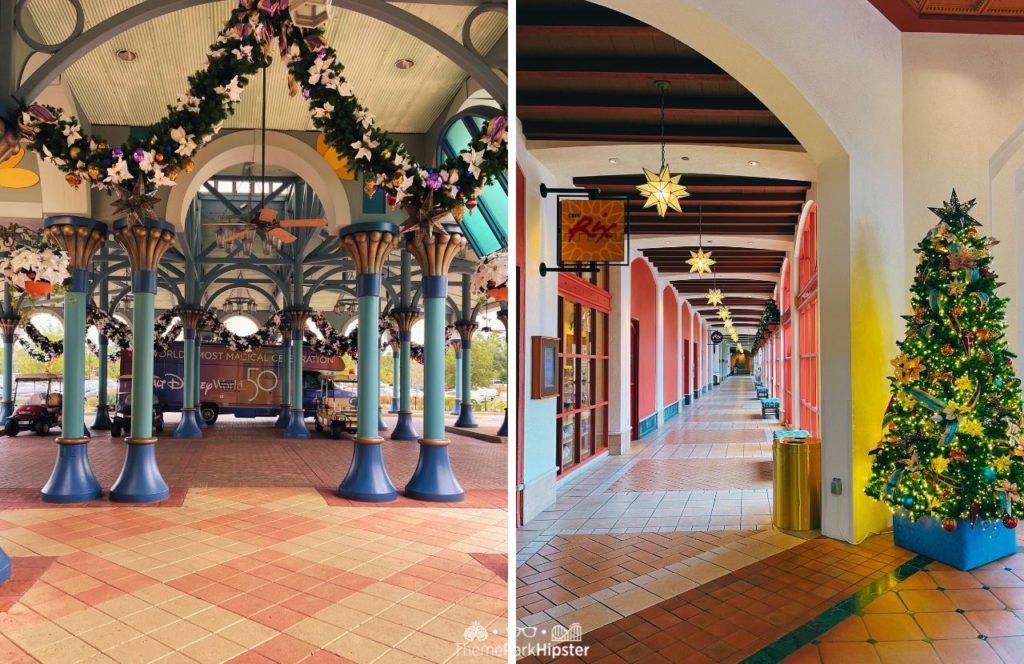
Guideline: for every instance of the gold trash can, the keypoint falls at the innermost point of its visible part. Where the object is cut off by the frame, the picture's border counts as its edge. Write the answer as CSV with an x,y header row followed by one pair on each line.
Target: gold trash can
x,y
797,483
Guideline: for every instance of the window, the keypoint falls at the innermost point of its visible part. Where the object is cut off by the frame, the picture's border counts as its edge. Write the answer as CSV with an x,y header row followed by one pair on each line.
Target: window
x,y
486,226
583,404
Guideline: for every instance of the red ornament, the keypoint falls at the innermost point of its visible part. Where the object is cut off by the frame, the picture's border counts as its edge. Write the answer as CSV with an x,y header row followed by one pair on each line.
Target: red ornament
x,y
949,525
471,204
1010,521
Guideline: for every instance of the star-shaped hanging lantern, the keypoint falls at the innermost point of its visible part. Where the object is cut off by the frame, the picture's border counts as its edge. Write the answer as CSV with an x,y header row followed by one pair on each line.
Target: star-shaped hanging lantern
x,y
699,261
724,313
662,190
136,203
715,297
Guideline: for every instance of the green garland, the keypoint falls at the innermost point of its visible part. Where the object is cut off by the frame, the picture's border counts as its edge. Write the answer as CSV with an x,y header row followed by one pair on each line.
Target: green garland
x,y
243,47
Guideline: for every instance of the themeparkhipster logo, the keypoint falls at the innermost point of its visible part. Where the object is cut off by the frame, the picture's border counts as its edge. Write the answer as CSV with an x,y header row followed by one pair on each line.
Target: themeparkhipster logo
x,y
561,641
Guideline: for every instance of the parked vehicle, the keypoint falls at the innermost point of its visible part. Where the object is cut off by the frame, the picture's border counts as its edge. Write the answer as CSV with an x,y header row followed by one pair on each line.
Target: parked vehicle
x,y
40,401
122,420
336,406
245,384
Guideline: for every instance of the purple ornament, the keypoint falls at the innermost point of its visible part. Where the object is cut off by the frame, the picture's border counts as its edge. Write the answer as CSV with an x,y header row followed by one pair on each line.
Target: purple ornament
x,y
139,154
117,153
321,54
305,93
434,181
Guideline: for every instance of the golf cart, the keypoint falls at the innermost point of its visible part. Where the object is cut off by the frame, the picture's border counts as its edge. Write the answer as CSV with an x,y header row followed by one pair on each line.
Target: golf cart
x,y
122,420
39,408
336,406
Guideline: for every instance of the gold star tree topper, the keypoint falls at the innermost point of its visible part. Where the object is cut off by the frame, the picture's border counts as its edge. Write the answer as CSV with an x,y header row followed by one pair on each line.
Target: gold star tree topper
x,y
662,190
715,297
699,261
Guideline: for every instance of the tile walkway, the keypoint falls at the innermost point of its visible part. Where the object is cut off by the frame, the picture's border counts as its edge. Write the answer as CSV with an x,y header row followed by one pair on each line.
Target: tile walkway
x,y
253,558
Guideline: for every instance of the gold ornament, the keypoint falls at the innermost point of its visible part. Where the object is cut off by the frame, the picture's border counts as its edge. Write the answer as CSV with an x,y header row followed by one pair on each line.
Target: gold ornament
x,y
73,179
699,261
74,151
187,165
370,188
984,335
958,311
947,349
662,191
159,157
94,172
714,297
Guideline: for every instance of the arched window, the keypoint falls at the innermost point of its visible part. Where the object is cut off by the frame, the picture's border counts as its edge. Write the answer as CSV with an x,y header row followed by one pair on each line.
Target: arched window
x,y
486,226
241,325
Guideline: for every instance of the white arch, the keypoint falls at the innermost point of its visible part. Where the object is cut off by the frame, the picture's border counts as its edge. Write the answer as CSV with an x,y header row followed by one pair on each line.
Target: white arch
x,y
283,151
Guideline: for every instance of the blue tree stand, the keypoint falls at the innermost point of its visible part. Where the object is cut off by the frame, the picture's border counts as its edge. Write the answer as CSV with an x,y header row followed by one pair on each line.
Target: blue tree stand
x,y
965,548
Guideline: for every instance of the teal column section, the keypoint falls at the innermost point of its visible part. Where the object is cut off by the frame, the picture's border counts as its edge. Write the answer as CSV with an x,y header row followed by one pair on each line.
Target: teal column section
x,y
73,409
189,391
369,365
457,407
142,364
286,397
101,397
296,381
467,352
433,368
395,380
8,375
405,385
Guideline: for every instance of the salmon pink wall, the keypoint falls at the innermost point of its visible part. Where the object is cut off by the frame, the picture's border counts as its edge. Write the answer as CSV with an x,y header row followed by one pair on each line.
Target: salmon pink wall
x,y
670,355
685,313
644,308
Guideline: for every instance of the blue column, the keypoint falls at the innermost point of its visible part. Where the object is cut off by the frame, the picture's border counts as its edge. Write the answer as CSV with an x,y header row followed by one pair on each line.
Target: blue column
x,y
457,408
8,323
283,414
145,243
434,478
297,420
188,427
466,329
198,386
72,479
394,377
404,429
102,421
367,479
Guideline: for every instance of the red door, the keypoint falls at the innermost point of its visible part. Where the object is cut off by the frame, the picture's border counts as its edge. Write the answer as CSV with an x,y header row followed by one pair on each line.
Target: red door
x,y
634,379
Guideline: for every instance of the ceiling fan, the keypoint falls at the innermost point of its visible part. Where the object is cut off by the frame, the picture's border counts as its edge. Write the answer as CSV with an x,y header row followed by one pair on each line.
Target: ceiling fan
x,y
261,219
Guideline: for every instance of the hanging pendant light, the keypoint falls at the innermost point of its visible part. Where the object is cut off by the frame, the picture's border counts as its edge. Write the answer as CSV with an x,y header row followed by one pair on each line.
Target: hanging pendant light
x,y
662,189
700,261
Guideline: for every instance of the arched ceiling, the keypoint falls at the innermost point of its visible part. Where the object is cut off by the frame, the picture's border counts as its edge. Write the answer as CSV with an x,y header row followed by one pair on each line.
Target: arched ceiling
x,y
110,91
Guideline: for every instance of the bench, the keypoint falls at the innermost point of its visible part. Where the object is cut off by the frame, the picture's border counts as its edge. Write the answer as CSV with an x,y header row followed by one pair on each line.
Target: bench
x,y
796,433
762,391
769,405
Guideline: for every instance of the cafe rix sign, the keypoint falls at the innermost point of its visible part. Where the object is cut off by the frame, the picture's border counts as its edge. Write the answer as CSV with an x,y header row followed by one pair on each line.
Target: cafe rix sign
x,y
592,231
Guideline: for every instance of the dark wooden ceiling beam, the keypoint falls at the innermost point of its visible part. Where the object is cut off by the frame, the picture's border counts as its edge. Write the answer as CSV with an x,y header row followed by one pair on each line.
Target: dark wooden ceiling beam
x,y
650,133
663,229
640,106
594,68
705,183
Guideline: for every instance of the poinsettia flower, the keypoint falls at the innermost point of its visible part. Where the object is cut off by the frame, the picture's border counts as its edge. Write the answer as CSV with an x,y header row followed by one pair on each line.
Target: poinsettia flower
x,y
160,179
344,88
148,160
364,147
71,131
232,90
473,159
324,111
118,172
50,157
320,70
364,118
243,52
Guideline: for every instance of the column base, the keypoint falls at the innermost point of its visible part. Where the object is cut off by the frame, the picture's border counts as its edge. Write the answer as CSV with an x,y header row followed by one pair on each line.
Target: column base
x,y
696,395
140,480
296,425
367,479
381,424
6,410
466,420
404,429
102,421
199,419
457,408
283,416
503,429
5,567
394,407
189,426
687,400
433,479
72,480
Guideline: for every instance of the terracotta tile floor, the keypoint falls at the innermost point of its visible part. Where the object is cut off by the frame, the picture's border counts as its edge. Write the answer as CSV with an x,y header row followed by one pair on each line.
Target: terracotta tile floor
x,y
253,575
680,475
269,567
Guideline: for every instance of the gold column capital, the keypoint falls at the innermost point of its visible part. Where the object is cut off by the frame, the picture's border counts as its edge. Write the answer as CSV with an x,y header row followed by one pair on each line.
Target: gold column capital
x,y
405,318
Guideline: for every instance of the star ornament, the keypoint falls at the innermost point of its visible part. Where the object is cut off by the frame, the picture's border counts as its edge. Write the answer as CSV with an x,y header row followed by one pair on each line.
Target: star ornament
x,y
662,191
699,261
715,297
724,313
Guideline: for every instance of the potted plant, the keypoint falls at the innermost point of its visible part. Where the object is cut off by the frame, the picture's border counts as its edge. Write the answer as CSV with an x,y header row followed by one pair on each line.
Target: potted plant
x,y
770,316
35,266
490,279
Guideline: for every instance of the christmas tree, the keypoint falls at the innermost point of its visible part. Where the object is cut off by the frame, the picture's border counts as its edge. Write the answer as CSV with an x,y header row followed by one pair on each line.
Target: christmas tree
x,y
951,437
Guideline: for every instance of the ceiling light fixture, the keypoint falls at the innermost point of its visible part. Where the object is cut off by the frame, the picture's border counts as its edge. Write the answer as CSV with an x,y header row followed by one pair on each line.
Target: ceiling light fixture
x,y
126,55
613,160
754,162
662,189
699,261
405,63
